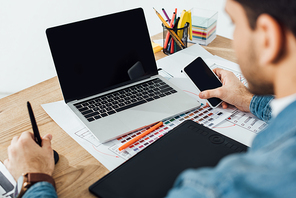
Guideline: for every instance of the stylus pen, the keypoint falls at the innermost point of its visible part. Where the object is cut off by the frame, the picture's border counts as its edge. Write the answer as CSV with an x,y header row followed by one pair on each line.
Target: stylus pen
x,y
140,136
34,125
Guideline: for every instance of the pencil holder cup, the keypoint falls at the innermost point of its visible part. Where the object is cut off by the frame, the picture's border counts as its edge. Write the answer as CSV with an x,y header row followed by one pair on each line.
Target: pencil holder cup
x,y
204,25
177,42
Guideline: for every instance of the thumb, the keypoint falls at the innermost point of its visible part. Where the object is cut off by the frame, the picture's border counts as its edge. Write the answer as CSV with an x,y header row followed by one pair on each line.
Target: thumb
x,y
213,93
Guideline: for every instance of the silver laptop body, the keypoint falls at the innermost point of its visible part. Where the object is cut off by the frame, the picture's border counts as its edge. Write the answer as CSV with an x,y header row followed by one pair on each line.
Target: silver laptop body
x,y
88,67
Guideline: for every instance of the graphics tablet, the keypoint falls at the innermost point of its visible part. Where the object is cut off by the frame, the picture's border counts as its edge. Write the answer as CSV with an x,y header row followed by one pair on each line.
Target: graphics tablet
x,y
153,171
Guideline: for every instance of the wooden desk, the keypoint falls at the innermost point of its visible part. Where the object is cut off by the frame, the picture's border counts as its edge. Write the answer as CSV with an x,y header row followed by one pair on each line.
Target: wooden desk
x,y
77,169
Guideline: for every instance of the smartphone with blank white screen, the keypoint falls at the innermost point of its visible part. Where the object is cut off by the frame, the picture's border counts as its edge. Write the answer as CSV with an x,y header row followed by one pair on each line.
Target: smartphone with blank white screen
x,y
204,78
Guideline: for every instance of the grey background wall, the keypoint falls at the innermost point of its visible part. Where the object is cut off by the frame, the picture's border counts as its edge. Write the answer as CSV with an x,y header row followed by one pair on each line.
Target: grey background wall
x,y
25,58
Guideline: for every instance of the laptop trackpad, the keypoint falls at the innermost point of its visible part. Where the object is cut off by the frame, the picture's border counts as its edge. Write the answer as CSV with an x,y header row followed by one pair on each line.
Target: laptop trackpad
x,y
144,115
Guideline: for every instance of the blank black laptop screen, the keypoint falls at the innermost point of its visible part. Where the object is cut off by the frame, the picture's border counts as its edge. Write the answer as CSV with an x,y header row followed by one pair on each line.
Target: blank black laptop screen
x,y
96,55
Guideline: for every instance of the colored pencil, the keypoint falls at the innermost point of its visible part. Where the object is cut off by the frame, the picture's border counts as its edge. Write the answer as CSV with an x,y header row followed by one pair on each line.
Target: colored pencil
x,y
173,34
140,136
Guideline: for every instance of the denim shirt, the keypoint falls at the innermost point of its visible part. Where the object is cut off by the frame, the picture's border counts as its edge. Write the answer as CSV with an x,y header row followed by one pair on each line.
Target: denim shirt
x,y
267,169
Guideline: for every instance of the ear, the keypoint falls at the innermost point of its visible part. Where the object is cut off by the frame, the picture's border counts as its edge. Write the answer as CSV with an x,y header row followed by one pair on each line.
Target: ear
x,y
270,38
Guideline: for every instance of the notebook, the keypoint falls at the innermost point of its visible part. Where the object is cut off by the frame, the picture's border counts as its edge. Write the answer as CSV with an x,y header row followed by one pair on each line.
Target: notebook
x,y
153,171
108,75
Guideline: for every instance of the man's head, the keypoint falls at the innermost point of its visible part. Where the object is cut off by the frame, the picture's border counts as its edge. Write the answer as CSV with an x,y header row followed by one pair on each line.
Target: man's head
x,y
264,39
283,11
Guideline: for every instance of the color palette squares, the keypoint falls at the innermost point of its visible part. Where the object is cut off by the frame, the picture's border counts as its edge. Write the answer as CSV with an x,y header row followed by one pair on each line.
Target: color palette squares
x,y
206,116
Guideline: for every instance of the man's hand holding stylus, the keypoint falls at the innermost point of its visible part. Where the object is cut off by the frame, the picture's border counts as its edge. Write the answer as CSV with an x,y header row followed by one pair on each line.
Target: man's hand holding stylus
x,y
25,155
232,92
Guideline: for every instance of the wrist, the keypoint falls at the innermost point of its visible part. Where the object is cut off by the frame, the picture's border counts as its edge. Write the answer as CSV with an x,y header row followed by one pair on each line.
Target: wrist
x,y
27,180
247,98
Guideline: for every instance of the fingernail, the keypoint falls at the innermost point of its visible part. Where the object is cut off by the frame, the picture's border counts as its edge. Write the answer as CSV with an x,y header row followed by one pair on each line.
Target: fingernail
x,y
49,136
201,95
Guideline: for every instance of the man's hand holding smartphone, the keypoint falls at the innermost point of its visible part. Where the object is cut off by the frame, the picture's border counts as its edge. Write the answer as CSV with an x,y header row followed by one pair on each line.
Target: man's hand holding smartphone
x,y
204,79
232,92
218,85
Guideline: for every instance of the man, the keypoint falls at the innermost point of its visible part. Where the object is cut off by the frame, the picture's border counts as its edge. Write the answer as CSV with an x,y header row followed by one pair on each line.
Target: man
x,y
265,45
264,41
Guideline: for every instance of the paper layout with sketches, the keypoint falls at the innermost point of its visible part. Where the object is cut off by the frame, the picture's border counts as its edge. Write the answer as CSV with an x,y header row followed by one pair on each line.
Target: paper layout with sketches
x,y
7,183
108,153
231,122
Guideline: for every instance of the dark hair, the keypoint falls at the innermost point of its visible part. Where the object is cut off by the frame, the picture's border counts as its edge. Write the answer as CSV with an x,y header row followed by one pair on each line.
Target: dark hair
x,y
283,11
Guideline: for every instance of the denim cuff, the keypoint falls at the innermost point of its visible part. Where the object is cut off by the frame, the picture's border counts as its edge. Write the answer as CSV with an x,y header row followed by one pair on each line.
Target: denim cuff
x,y
260,107
41,190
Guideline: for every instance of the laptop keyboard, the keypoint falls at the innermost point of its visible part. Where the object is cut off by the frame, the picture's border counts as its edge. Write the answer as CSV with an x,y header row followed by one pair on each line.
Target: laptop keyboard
x,y
111,103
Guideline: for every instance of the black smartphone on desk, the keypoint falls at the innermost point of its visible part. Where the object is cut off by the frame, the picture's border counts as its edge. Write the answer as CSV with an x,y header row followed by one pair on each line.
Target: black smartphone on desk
x,y
204,78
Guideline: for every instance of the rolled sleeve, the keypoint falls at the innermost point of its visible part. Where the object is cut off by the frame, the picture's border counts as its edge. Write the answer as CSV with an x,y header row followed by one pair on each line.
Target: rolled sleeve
x,y
260,107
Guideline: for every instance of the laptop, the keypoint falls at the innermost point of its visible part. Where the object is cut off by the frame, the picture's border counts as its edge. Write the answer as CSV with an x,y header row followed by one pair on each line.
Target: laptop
x,y
153,171
108,75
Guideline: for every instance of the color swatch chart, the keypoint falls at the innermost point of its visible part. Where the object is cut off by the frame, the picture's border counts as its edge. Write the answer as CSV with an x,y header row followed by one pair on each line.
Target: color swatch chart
x,y
204,115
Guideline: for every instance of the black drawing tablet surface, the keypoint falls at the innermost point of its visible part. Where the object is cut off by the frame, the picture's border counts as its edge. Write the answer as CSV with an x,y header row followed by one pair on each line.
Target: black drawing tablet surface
x,y
153,171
